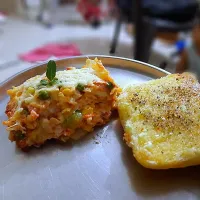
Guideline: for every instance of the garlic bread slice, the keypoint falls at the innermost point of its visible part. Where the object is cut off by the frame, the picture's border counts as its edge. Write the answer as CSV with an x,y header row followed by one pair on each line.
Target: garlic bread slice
x,y
161,120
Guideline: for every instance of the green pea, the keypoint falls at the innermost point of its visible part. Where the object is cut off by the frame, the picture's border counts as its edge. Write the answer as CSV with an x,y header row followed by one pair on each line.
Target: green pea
x,y
25,111
77,111
44,82
110,85
18,135
73,120
80,87
54,81
43,95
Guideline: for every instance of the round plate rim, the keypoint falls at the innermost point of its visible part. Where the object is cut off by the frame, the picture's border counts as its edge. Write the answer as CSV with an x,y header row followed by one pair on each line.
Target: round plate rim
x,y
92,56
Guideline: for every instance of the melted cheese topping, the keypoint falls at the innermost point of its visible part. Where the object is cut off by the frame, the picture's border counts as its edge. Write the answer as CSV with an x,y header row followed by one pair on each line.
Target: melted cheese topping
x,y
68,78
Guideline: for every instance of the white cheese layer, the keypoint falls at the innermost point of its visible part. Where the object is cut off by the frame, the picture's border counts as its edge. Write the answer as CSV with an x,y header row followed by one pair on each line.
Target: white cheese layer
x,y
68,78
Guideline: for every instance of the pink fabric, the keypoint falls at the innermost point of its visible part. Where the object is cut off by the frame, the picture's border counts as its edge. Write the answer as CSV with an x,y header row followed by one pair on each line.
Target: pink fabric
x,y
48,50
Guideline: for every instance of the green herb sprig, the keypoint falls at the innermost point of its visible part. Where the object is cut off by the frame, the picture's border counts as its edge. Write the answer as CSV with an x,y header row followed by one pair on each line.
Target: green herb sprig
x,y
50,74
51,70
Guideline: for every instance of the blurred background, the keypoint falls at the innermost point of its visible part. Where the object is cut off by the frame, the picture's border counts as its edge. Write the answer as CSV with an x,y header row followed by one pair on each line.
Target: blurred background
x,y
162,33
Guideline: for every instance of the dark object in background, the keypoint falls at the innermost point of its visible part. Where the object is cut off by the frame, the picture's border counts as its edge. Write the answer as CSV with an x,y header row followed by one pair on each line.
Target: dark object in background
x,y
171,10
95,23
151,16
67,1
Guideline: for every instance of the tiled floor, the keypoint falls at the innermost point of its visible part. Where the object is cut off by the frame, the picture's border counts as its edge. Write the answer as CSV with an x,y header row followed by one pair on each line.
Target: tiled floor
x,y
18,36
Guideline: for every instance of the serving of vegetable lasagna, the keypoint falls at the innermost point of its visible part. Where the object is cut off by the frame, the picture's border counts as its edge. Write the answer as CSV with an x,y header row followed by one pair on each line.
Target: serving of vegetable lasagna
x,y
60,105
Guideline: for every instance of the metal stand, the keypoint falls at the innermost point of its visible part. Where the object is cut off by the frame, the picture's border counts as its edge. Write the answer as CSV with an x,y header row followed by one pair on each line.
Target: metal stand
x,y
116,34
144,33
